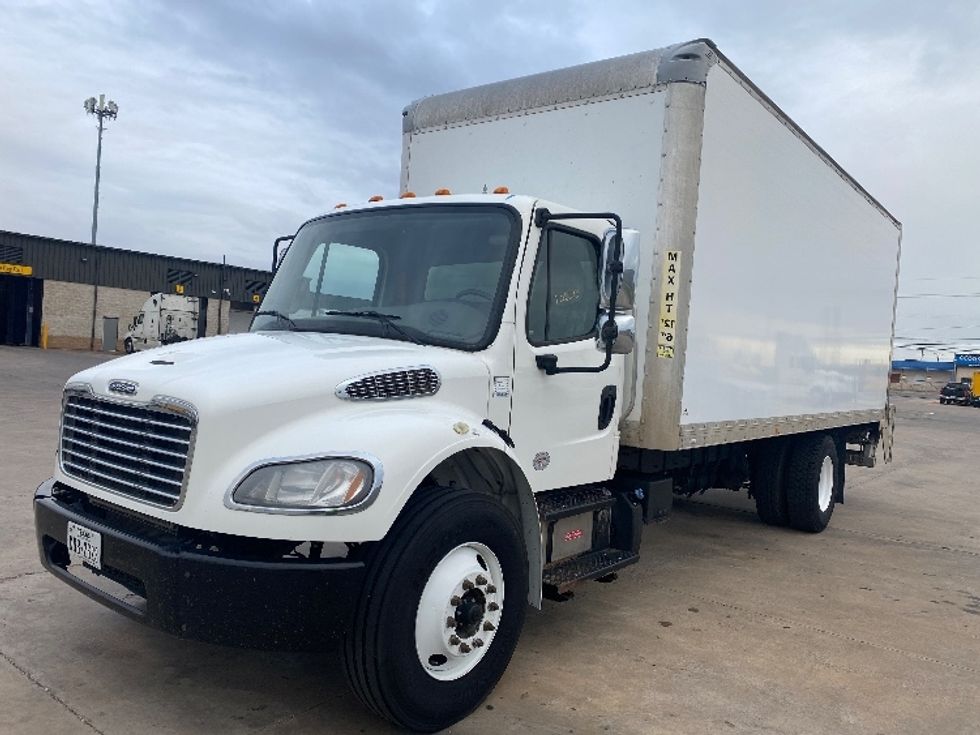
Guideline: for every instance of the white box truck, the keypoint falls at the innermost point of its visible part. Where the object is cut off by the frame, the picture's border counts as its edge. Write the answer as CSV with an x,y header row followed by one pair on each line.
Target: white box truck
x,y
163,319
452,407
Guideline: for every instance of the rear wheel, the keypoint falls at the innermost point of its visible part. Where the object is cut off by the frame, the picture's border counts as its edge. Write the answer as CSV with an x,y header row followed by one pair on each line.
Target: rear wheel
x,y
441,610
768,487
813,482
128,345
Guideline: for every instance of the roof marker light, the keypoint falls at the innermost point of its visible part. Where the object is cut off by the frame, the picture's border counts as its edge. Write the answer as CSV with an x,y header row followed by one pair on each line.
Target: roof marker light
x,y
340,206
442,192
501,190
408,195
376,198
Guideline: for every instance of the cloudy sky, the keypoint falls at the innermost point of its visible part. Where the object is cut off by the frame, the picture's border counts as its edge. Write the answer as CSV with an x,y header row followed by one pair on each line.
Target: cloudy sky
x,y
240,120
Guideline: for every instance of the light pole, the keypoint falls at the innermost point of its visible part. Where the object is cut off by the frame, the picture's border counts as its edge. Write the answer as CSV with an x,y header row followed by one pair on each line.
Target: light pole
x,y
103,110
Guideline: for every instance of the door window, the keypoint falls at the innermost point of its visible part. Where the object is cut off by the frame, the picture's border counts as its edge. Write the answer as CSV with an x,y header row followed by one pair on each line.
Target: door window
x,y
563,305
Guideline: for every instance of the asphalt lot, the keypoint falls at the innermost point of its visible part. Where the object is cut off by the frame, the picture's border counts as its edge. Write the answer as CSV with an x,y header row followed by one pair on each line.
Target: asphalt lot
x,y
726,625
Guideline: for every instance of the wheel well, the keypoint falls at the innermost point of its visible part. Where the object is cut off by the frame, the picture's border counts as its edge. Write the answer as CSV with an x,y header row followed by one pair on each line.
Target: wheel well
x,y
491,471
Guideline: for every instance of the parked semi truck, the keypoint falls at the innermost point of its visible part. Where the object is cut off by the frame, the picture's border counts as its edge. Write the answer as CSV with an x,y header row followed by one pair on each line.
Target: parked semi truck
x,y
646,281
164,319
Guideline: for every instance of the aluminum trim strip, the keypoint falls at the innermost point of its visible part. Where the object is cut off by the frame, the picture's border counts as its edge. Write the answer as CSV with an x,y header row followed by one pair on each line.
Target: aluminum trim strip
x,y
127,417
141,488
137,458
128,471
110,427
77,430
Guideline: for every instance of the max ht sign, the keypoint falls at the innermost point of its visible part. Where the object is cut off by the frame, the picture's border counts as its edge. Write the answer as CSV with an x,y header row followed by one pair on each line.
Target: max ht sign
x,y
668,304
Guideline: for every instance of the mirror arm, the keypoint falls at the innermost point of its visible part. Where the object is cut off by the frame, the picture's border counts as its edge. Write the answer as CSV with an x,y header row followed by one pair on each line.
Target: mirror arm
x,y
275,250
549,363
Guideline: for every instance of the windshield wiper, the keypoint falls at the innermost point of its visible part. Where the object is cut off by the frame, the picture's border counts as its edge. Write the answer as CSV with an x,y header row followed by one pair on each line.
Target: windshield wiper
x,y
278,315
388,320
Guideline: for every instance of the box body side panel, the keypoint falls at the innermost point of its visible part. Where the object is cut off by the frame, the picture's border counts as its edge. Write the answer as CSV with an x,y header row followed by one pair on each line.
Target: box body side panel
x,y
793,279
598,154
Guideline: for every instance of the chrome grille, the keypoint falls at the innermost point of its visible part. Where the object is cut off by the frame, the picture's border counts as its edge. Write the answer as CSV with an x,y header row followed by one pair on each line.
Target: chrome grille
x,y
406,383
139,451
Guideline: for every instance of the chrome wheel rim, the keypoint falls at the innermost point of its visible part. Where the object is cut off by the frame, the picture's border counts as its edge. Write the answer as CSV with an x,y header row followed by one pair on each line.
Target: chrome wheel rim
x,y
825,485
459,611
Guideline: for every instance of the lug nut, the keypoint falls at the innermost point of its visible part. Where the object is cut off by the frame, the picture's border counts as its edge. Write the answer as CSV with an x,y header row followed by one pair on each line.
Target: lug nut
x,y
481,580
454,601
454,640
487,625
491,589
450,622
478,642
467,584
493,607
463,648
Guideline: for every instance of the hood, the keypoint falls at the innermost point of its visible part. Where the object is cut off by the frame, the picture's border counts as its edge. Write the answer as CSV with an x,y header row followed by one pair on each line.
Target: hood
x,y
231,372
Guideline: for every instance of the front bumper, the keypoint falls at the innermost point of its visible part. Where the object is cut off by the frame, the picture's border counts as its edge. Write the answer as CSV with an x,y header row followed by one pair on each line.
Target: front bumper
x,y
210,587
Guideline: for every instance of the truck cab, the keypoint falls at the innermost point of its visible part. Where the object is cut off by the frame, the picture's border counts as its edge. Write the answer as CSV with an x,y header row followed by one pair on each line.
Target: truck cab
x,y
449,359
163,319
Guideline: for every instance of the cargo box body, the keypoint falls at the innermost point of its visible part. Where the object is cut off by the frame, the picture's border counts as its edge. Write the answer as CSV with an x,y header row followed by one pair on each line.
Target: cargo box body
x,y
767,284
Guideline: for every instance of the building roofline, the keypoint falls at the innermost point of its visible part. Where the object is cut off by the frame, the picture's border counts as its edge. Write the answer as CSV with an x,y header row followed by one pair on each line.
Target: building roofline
x,y
113,249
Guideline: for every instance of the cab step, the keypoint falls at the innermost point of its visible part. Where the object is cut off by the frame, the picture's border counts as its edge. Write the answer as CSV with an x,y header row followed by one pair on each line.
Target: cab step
x,y
560,574
558,504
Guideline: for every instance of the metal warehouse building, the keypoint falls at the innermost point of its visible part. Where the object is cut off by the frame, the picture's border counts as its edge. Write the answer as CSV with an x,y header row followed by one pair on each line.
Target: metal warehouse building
x,y
65,290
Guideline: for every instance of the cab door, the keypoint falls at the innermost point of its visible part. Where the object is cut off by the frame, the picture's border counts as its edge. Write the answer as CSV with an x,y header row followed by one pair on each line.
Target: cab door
x,y
564,426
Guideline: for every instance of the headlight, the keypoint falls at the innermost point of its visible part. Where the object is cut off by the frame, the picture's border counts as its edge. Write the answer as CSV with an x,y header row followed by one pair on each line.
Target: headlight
x,y
307,486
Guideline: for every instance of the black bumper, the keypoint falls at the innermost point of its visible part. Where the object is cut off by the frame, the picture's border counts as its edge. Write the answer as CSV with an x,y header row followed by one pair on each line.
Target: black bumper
x,y
209,587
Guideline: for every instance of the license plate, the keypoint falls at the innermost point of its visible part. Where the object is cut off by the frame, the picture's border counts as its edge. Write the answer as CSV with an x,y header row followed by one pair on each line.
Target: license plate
x,y
85,544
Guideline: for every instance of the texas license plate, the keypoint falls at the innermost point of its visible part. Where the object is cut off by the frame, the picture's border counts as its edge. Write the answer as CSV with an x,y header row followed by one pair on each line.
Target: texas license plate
x,y
85,544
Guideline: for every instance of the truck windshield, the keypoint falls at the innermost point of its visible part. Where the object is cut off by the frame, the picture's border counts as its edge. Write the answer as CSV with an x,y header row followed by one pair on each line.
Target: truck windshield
x,y
433,274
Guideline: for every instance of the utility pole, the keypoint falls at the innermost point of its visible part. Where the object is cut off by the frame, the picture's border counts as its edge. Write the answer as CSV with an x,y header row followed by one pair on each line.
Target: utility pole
x,y
222,289
103,110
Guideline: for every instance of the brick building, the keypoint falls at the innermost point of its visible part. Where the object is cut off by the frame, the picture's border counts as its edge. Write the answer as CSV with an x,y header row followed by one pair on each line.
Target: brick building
x,y
66,289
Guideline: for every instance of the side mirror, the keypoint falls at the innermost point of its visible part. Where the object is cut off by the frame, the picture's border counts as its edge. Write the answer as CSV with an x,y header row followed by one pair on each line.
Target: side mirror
x,y
630,257
625,339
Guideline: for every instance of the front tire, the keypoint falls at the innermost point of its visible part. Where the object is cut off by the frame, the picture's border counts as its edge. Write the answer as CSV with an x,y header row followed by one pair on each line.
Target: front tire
x,y
813,482
128,345
452,571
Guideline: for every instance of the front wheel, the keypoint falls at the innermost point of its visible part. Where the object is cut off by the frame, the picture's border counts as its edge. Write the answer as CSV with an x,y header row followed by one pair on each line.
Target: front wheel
x,y
128,345
441,610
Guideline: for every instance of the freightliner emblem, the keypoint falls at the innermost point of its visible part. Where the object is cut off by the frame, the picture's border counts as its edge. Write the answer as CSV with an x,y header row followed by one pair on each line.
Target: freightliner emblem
x,y
126,387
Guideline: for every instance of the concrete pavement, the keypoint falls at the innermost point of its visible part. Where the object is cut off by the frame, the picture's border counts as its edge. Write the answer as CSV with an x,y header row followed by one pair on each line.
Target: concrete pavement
x,y
726,625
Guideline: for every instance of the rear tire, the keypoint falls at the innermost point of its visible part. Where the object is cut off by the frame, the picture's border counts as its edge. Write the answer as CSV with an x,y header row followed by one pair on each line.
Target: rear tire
x,y
768,487
398,656
813,482
128,345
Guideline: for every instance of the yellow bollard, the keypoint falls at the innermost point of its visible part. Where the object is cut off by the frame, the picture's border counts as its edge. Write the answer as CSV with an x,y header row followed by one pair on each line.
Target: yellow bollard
x,y
44,336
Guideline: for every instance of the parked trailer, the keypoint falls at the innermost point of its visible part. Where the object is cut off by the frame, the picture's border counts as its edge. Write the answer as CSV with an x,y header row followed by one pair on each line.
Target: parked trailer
x,y
452,406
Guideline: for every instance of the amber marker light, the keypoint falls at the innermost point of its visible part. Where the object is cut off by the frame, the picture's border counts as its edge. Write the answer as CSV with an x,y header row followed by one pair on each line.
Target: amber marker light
x,y
442,192
408,195
340,206
501,190
376,198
